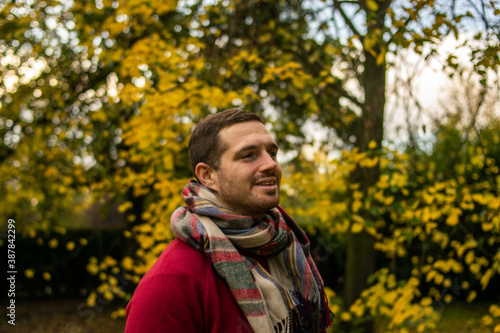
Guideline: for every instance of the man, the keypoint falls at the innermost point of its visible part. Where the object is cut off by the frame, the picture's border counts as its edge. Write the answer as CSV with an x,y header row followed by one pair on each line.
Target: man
x,y
239,262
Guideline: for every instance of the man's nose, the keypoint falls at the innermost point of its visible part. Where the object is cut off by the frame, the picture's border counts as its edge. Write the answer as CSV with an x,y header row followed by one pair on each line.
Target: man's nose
x,y
269,163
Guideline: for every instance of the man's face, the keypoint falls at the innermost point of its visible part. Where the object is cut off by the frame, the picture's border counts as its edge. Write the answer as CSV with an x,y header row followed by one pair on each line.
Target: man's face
x,y
249,177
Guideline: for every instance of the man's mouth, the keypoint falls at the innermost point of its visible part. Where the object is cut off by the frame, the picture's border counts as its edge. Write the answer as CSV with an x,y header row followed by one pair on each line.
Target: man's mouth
x,y
270,184
267,183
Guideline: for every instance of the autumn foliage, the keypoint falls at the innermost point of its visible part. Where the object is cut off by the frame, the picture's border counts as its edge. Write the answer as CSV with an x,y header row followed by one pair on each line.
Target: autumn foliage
x,y
98,100
435,216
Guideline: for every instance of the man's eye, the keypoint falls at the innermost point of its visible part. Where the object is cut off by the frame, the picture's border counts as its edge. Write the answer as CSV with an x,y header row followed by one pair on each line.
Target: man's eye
x,y
249,155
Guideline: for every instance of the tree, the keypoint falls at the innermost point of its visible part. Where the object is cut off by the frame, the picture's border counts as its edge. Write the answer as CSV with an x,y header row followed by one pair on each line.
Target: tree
x,y
120,85
433,215
295,74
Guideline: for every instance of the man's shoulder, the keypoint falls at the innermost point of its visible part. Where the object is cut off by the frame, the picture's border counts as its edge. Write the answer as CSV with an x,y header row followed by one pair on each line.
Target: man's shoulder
x,y
179,264
178,248
179,257
171,293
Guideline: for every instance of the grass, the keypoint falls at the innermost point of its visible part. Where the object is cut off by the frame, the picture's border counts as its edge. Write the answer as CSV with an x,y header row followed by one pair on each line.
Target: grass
x,y
62,316
73,316
463,317
457,317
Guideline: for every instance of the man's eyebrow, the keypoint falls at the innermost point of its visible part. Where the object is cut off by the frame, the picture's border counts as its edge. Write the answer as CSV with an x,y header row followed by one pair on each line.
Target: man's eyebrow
x,y
245,149
273,145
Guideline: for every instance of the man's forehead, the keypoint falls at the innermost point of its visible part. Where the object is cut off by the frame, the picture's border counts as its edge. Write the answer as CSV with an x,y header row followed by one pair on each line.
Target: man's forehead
x,y
239,135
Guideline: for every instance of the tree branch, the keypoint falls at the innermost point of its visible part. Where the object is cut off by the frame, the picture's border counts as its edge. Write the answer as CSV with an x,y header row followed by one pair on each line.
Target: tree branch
x,y
351,98
337,5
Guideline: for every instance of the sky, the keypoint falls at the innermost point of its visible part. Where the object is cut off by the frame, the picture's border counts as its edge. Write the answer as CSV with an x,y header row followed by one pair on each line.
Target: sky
x,y
431,85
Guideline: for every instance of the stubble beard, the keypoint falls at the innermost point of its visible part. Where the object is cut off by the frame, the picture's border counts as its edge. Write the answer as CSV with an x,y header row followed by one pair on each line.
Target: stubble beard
x,y
244,202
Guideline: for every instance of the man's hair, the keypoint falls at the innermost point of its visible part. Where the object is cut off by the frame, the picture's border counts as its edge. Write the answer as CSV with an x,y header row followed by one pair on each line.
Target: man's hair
x,y
205,144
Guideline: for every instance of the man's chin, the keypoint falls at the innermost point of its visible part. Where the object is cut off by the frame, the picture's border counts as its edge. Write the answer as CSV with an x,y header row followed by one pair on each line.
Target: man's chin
x,y
270,204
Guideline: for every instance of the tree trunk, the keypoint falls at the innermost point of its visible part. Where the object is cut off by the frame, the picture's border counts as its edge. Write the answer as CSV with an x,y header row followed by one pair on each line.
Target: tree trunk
x,y
360,247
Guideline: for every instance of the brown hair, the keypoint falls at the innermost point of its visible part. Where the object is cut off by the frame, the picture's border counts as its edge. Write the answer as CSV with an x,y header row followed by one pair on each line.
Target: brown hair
x,y
205,145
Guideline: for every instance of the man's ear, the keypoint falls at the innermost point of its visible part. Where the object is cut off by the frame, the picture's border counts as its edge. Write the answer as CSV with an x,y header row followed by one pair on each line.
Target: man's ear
x,y
207,176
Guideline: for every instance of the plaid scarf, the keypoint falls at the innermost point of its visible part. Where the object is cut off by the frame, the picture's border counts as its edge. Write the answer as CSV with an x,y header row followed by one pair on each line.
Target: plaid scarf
x,y
287,298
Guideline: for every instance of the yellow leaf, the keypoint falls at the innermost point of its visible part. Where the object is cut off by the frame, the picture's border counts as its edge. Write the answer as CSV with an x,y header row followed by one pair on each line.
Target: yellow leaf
x,y
357,195
381,58
494,203
120,313
265,38
426,301
495,310
358,219
29,273
127,263
452,220
472,296
53,243
356,205
487,227
487,320
109,261
369,162
356,228
124,206
345,316
369,42
92,268
475,268
358,309
430,275
70,246
485,279
469,257
298,82
372,5
429,227
91,299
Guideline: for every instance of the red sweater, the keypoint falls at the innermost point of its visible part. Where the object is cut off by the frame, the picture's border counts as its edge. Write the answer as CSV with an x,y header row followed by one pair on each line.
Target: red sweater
x,y
182,293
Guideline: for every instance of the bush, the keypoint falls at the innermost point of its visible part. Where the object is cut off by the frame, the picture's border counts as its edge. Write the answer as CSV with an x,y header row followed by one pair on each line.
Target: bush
x,y
53,264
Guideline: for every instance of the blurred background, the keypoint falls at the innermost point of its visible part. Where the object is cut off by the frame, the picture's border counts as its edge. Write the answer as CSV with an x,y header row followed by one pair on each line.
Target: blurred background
x,y
386,113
